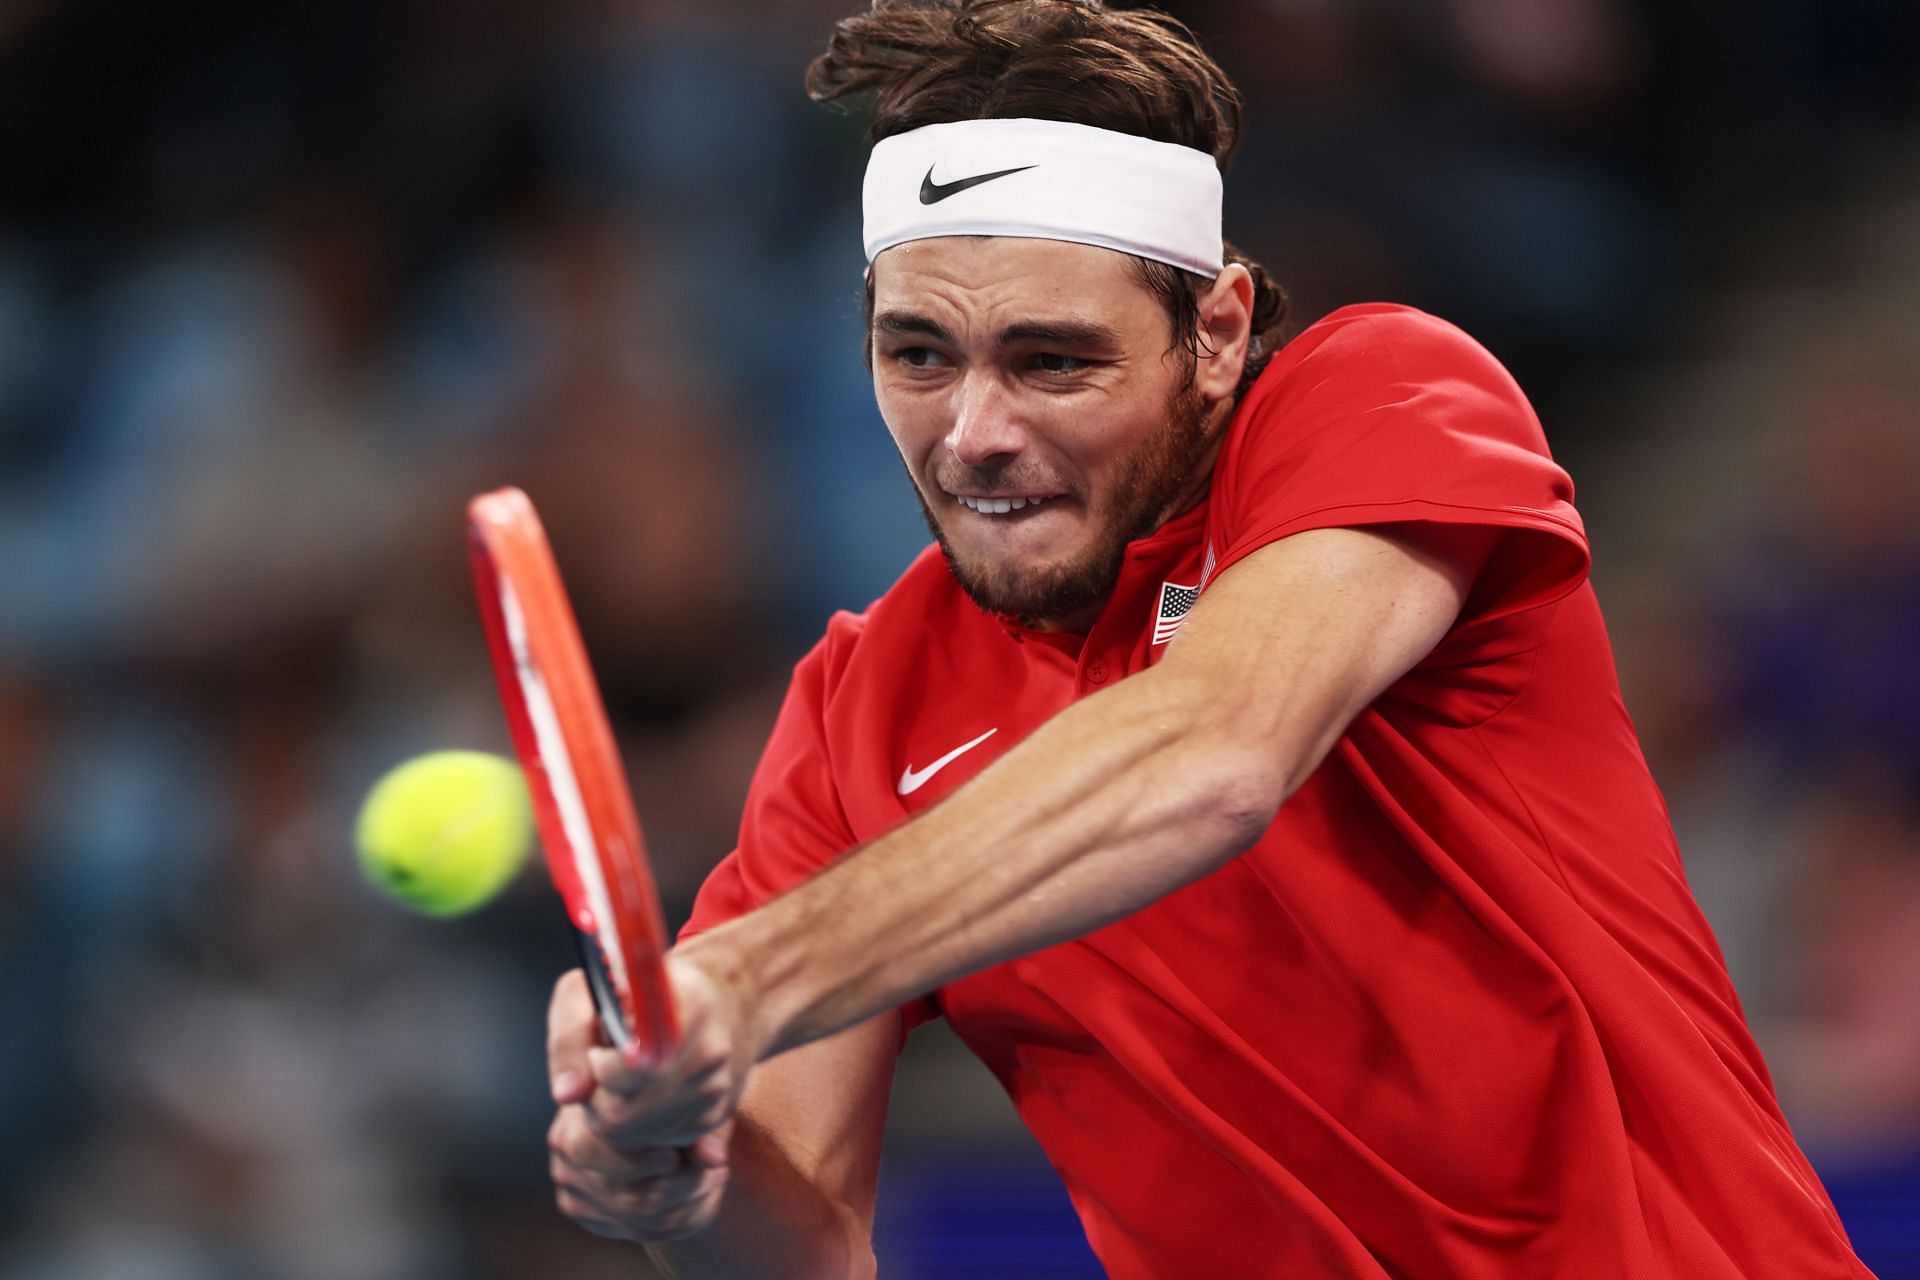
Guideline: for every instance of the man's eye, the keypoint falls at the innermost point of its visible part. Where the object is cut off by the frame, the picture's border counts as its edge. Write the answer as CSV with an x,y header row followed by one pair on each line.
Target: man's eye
x,y
1052,362
918,357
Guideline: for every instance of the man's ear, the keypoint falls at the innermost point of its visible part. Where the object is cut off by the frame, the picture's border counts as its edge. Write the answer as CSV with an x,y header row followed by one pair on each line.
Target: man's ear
x,y
1226,329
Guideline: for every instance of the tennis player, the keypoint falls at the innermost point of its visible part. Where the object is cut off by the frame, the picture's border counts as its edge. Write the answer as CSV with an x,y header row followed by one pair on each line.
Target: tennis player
x,y
1243,775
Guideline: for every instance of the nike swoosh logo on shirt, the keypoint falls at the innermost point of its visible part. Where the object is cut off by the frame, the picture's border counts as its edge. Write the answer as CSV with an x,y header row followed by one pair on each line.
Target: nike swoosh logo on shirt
x,y
932,192
913,779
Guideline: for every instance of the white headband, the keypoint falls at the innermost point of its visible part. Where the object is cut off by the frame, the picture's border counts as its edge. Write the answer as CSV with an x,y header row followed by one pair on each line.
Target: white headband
x,y
1049,180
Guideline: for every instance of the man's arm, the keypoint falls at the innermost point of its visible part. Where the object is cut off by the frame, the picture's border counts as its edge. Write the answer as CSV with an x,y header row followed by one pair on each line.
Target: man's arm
x,y
1118,800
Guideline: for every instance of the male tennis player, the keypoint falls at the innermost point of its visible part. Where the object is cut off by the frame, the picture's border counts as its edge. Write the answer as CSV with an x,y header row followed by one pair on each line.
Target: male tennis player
x,y
1244,777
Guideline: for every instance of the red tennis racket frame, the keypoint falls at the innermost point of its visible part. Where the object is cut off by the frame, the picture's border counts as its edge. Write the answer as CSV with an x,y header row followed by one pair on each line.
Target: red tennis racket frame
x,y
581,803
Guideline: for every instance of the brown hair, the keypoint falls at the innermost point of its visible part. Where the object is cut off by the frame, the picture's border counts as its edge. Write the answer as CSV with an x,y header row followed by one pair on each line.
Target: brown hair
x,y
1133,71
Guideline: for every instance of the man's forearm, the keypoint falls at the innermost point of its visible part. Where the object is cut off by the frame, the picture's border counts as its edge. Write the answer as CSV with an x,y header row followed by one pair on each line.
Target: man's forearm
x,y
774,1224
1116,801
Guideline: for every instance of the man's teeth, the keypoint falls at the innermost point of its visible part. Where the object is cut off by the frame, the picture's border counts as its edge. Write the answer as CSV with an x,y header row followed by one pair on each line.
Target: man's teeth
x,y
997,506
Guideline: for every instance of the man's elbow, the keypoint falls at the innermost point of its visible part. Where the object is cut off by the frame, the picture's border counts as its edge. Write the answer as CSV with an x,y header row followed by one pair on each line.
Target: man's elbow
x,y
1244,791
1255,763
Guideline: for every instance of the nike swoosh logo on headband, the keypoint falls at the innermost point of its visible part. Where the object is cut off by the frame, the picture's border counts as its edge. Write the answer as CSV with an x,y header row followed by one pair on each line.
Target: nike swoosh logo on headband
x,y
932,192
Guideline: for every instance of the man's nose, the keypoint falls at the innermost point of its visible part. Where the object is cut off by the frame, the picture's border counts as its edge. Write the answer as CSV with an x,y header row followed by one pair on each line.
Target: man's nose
x,y
986,423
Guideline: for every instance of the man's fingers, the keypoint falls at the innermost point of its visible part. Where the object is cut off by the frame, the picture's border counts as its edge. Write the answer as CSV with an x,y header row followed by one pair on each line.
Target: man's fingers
x,y
571,1031
701,1050
613,1070
622,1125
653,1210
673,1109
679,1128
580,1209
710,1152
595,1167
690,1218
574,1143
640,1149
656,1196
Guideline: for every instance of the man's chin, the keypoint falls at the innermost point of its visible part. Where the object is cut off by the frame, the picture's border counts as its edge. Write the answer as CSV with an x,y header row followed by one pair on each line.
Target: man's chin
x,y
1050,572
1036,594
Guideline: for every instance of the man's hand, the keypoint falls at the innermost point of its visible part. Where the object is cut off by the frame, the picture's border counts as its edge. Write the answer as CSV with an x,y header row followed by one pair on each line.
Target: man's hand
x,y
641,1153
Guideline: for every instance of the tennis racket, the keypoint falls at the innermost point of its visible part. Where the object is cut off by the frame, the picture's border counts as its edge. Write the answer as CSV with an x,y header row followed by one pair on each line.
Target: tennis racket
x,y
581,804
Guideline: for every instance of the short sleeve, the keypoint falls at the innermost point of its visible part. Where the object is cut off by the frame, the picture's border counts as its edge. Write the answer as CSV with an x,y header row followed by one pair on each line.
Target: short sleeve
x,y
1382,414
792,825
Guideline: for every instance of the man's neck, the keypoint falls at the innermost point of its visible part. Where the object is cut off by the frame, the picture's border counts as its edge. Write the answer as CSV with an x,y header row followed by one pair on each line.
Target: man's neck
x,y
1218,423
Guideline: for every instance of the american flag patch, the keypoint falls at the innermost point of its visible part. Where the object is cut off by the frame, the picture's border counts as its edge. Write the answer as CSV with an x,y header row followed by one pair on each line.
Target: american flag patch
x,y
1175,600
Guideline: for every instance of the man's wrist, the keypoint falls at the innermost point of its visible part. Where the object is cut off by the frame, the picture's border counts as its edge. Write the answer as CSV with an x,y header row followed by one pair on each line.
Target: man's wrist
x,y
736,968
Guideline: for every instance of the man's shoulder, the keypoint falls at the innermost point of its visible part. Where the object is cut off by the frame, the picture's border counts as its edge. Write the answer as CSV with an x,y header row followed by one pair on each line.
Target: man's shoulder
x,y
1365,334
1363,356
1389,323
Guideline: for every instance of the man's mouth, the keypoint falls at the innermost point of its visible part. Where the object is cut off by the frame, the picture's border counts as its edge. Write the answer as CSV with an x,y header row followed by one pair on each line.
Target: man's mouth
x,y
998,506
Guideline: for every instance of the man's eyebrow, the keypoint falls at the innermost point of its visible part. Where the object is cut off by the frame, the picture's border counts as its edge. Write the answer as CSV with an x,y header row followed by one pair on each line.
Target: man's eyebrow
x,y
908,324
1066,333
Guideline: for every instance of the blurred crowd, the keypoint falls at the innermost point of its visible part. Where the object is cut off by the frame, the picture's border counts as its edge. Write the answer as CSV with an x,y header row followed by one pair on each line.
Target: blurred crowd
x,y
282,285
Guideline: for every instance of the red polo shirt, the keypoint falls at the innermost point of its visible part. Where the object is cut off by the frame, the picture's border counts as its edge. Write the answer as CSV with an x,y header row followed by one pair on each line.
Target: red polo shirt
x,y
1456,1014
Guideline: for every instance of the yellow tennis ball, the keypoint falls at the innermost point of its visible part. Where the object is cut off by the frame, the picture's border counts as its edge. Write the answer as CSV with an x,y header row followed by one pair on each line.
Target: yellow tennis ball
x,y
446,831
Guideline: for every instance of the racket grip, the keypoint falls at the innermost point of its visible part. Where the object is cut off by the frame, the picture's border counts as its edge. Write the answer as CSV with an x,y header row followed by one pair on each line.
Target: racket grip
x,y
658,1036
613,1024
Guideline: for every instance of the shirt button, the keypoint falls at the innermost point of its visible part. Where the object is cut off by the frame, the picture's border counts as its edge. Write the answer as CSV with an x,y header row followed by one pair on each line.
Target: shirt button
x,y
1097,672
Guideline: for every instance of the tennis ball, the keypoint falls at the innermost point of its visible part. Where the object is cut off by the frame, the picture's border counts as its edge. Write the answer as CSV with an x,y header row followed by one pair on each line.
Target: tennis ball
x,y
446,831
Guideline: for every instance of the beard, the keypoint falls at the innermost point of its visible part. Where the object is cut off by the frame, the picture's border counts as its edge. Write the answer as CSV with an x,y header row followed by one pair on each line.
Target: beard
x,y
1151,480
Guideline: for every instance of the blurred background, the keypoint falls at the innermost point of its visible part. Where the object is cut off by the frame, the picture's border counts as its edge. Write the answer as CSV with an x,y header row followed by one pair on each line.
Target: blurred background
x,y
281,285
